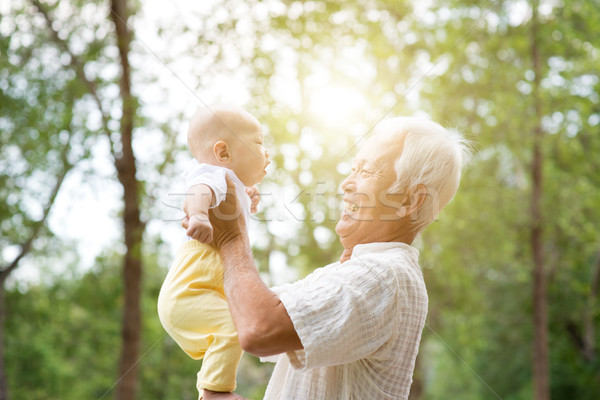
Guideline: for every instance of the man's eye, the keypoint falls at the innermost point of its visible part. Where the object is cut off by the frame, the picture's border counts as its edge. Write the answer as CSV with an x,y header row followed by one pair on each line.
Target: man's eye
x,y
366,173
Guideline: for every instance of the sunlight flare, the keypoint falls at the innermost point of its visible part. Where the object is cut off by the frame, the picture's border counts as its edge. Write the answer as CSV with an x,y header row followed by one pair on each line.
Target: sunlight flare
x,y
337,104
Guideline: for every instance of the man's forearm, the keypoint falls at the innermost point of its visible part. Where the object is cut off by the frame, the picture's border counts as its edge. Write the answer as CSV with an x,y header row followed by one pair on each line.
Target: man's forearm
x,y
263,324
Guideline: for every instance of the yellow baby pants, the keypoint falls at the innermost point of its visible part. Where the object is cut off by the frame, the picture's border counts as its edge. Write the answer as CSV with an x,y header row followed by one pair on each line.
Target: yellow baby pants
x,y
193,309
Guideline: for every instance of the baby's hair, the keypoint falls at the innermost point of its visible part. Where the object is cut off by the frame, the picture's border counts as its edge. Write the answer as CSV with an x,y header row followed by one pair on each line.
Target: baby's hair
x,y
431,156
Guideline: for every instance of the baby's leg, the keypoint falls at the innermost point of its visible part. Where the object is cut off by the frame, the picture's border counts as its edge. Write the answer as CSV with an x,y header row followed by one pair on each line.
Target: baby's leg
x,y
182,313
223,354
193,310
202,326
184,303
220,364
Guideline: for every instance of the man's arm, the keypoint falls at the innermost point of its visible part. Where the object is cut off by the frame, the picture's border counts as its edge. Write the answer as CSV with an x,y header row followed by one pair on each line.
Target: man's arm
x,y
263,324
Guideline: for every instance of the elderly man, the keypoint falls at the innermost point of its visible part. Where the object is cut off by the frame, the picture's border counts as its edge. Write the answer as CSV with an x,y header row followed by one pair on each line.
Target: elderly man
x,y
351,329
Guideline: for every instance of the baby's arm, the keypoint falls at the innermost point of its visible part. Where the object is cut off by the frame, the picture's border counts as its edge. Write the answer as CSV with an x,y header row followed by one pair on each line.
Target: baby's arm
x,y
197,202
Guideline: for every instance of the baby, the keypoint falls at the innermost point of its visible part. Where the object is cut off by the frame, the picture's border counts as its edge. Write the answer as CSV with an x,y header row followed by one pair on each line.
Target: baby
x,y
224,141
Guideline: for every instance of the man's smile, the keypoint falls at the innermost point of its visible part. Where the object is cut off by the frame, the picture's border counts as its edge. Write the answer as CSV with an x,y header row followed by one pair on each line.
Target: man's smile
x,y
350,207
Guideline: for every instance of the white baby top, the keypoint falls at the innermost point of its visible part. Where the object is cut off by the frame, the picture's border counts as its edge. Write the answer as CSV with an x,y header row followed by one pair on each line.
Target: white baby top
x,y
360,323
214,177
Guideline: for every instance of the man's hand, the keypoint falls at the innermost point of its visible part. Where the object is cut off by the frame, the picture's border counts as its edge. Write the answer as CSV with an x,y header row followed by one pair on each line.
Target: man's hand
x,y
254,198
227,219
199,228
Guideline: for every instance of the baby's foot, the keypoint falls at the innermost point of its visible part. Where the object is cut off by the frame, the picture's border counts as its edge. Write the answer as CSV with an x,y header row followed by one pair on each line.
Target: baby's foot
x,y
210,395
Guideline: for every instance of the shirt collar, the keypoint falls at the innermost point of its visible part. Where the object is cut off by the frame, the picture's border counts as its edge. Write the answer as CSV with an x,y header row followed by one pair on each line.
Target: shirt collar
x,y
378,247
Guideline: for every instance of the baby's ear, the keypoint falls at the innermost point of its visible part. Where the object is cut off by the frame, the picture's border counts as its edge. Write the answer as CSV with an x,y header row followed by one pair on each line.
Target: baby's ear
x,y
221,151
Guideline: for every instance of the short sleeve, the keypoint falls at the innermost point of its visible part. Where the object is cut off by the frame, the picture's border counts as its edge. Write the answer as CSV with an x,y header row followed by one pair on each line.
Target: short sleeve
x,y
341,313
210,175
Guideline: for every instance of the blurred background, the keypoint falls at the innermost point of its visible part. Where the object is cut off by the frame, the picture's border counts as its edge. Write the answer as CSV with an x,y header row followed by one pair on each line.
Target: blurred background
x,y
95,97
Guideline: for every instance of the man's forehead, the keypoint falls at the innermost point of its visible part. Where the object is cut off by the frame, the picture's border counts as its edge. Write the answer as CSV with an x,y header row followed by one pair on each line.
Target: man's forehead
x,y
380,149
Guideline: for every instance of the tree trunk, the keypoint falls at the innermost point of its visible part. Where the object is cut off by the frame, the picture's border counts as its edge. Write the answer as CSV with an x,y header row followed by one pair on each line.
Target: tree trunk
x,y
3,381
133,226
4,273
541,379
589,330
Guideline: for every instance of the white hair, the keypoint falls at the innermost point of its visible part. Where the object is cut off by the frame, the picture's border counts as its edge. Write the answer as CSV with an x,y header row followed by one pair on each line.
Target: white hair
x,y
431,156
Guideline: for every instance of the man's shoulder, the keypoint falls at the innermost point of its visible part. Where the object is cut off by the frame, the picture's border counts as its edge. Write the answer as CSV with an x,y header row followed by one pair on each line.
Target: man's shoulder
x,y
398,265
397,256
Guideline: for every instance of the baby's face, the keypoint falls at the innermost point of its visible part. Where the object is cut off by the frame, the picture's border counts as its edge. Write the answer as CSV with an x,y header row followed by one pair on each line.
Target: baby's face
x,y
249,156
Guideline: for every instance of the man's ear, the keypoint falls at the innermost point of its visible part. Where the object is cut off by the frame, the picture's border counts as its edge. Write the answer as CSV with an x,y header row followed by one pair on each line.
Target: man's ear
x,y
221,151
413,200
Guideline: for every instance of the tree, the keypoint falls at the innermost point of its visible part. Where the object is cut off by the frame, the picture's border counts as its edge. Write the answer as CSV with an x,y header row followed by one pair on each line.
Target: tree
x,y
133,226
541,367
41,142
121,145
517,78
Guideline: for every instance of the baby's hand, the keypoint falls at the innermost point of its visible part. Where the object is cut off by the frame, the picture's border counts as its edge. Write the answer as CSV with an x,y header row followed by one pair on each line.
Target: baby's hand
x,y
199,228
254,198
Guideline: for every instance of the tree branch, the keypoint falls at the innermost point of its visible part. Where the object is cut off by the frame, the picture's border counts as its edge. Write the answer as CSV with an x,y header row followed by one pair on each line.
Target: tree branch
x,y
79,68
37,227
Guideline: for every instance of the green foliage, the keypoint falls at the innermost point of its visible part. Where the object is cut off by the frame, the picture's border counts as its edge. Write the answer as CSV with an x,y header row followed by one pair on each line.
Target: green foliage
x,y
466,63
482,236
311,152
63,340
42,130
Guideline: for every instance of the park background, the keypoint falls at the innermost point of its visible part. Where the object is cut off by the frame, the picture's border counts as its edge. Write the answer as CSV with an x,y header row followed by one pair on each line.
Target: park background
x,y
95,96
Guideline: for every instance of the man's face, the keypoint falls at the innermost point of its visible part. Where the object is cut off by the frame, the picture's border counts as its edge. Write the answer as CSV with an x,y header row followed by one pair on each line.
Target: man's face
x,y
369,214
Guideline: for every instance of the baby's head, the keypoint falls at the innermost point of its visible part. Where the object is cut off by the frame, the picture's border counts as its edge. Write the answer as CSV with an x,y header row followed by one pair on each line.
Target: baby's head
x,y
229,137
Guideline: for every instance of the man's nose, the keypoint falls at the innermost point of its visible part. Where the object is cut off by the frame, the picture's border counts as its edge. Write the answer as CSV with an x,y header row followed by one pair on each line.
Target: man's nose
x,y
347,183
